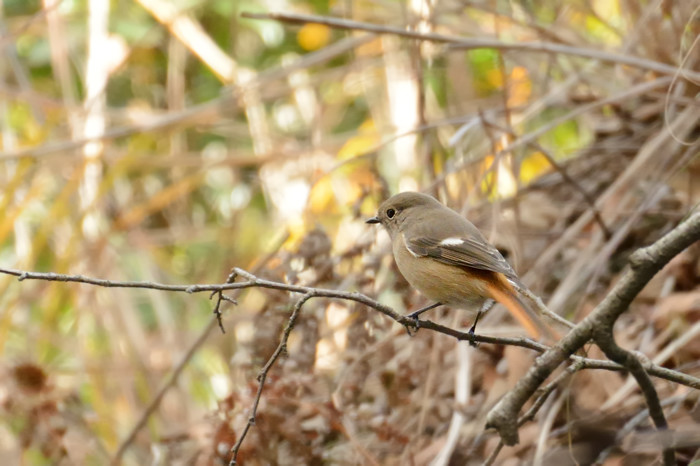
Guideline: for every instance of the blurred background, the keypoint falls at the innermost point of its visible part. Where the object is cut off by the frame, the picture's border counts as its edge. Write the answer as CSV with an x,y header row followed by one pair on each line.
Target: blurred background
x,y
169,141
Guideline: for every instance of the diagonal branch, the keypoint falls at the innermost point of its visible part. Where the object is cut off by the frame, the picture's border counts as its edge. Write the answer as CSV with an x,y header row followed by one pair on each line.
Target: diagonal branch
x,y
189,354
262,376
644,263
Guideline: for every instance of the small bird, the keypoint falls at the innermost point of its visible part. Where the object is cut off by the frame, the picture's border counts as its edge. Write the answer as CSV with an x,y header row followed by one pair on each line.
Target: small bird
x,y
447,259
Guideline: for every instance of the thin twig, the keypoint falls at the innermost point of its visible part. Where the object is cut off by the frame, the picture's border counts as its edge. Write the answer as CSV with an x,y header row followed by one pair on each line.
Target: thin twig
x,y
564,174
534,409
172,380
195,115
645,263
253,281
220,297
494,454
169,383
262,376
474,43
542,307
547,390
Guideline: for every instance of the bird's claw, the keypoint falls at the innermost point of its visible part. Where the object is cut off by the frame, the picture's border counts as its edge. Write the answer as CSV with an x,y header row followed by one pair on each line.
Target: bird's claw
x,y
414,322
472,343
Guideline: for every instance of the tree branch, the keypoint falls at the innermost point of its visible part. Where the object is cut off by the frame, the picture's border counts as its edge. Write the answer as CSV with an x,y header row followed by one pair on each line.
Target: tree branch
x,y
253,281
604,339
194,347
262,376
476,43
644,263
504,416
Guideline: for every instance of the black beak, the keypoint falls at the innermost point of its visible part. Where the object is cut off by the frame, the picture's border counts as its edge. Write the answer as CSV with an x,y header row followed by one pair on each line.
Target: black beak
x,y
373,220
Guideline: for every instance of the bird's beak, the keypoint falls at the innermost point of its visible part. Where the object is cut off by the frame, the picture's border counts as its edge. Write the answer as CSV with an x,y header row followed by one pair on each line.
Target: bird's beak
x,y
372,220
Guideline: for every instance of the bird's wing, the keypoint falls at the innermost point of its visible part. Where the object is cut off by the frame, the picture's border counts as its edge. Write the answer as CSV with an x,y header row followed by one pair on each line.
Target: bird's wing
x,y
474,252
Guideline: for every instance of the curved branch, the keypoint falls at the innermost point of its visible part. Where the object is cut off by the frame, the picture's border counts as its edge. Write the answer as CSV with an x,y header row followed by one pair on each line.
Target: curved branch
x,y
604,339
644,263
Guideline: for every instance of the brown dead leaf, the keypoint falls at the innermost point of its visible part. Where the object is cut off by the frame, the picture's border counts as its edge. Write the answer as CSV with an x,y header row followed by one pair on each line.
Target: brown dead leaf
x,y
30,378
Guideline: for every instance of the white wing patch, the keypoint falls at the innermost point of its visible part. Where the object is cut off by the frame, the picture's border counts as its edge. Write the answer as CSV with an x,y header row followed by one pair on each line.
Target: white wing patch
x,y
452,242
409,247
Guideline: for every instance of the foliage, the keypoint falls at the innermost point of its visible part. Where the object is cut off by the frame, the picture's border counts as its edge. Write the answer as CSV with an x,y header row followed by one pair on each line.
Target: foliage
x,y
232,141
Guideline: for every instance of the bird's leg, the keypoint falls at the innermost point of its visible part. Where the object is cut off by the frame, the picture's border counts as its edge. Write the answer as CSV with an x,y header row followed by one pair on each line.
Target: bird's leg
x,y
415,314
488,304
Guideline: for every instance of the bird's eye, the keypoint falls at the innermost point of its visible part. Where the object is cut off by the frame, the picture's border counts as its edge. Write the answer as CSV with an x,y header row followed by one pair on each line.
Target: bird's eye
x,y
390,213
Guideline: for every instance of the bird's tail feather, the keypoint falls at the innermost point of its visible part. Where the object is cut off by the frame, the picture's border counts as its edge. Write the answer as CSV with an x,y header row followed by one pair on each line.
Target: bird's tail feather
x,y
529,319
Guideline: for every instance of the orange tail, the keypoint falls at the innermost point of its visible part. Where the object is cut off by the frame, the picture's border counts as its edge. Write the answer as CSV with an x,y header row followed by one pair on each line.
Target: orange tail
x,y
504,293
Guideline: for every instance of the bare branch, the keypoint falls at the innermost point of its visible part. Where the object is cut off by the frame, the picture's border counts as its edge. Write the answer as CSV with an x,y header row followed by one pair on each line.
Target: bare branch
x,y
193,115
562,172
253,281
191,351
604,339
644,265
475,43
262,376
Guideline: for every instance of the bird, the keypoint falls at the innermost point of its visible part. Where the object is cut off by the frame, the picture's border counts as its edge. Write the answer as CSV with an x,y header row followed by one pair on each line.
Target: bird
x,y
445,257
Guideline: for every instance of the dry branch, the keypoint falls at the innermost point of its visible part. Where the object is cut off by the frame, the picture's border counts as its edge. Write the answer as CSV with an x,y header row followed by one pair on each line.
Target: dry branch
x,y
504,416
477,43
644,265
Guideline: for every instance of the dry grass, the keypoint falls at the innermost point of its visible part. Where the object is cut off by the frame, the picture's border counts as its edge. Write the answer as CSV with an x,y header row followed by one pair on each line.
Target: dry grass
x,y
266,153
